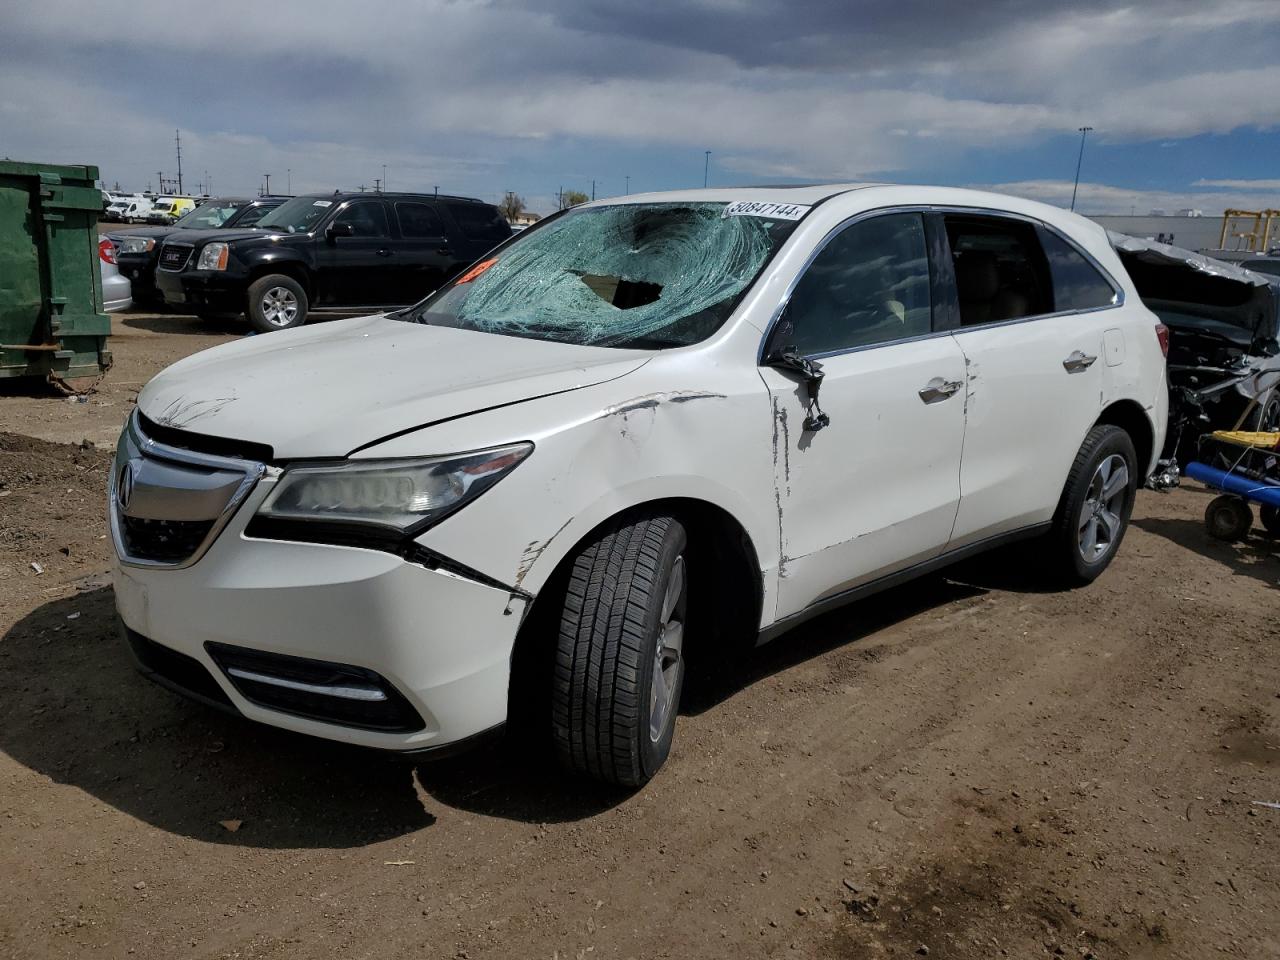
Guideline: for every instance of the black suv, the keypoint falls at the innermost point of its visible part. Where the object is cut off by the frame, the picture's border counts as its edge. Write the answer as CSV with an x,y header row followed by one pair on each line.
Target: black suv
x,y
341,251
138,248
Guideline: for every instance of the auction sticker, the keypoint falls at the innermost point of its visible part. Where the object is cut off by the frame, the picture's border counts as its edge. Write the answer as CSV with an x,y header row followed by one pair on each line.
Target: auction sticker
x,y
775,211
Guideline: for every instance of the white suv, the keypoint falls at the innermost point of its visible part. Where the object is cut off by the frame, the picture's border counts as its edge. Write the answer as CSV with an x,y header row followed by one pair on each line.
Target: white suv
x,y
640,432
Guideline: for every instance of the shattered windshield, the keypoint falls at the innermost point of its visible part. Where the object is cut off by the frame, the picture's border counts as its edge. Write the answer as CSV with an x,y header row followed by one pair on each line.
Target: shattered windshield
x,y
644,275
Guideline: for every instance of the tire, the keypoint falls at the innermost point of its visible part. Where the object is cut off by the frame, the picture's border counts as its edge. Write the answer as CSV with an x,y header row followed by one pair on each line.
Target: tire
x,y
619,665
276,302
1270,517
1228,518
1083,540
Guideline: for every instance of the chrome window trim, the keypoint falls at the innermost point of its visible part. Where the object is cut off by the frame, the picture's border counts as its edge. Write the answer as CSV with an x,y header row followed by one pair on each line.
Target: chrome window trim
x,y
134,443
1118,298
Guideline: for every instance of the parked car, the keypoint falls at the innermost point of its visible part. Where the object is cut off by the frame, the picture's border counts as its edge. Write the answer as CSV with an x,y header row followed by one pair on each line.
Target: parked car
x,y
342,250
647,430
168,209
1224,354
116,291
138,248
135,210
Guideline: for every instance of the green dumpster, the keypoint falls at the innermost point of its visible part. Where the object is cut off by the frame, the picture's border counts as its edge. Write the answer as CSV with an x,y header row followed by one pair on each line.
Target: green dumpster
x,y
51,320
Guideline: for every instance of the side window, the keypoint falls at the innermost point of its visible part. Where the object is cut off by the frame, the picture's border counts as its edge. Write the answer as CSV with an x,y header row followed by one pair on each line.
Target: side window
x,y
418,221
479,221
1077,284
1001,271
251,215
869,285
368,218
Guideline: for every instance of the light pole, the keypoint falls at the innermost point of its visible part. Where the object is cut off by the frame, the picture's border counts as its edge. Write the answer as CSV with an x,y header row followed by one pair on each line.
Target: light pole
x,y
437,191
384,176
627,190
706,168
288,180
267,190
1084,132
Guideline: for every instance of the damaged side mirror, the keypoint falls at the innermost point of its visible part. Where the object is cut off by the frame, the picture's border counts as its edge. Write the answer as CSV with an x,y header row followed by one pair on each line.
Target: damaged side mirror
x,y
810,371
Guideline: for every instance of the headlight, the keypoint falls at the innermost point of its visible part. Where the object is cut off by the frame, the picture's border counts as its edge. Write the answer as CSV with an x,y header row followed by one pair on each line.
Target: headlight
x,y
213,257
405,495
137,245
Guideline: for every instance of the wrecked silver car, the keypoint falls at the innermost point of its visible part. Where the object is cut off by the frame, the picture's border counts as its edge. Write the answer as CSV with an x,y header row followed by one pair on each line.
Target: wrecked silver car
x,y
1224,358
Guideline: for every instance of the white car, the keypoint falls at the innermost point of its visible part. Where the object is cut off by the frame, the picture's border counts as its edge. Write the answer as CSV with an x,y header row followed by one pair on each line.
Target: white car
x,y
648,430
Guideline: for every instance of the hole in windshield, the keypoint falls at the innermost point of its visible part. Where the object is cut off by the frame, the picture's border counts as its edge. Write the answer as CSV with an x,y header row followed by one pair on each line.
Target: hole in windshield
x,y
625,275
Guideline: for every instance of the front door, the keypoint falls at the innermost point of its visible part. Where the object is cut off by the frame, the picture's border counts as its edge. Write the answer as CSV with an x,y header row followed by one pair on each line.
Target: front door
x,y
875,490
357,259
1034,314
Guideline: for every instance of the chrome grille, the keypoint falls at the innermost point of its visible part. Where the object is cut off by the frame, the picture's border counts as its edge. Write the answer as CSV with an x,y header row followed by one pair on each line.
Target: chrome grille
x,y
174,256
167,505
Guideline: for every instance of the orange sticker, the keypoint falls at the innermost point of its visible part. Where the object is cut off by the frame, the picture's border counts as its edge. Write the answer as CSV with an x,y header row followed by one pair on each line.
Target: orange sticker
x,y
478,269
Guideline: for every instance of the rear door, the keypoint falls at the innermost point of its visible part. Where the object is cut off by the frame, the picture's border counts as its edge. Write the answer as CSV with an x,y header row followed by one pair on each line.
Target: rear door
x,y
479,228
425,258
874,491
1036,319
360,269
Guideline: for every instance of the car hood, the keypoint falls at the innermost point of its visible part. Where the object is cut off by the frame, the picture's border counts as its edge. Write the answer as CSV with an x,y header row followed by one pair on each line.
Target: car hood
x,y
142,232
328,390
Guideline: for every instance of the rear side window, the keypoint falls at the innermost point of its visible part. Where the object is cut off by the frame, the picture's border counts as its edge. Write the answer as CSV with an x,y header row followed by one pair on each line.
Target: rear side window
x,y
1077,284
368,218
869,285
1001,271
479,221
418,221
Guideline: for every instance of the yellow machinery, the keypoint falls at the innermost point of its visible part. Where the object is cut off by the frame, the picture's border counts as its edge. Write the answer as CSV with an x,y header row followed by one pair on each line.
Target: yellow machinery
x,y
1257,239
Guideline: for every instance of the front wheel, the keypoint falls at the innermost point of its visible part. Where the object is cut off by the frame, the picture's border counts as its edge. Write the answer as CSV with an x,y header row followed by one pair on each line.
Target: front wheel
x,y
620,651
276,302
1097,500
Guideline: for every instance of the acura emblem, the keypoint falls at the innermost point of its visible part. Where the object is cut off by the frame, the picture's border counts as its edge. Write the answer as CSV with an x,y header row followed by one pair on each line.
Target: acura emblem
x,y
124,490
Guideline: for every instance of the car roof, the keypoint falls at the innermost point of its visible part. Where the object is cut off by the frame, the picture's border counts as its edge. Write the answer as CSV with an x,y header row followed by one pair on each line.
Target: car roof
x,y
388,195
803,193
868,196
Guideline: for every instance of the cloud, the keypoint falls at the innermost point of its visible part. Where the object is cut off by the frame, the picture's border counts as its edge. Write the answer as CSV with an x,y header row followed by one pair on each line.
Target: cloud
x,y
1240,184
485,95
1096,199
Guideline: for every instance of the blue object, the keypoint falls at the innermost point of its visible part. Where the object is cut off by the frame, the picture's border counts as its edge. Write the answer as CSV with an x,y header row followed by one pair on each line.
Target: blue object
x,y
1268,493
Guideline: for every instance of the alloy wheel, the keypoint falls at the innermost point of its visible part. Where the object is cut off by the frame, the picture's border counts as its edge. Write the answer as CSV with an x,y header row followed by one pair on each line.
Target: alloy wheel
x,y
667,662
1100,516
279,307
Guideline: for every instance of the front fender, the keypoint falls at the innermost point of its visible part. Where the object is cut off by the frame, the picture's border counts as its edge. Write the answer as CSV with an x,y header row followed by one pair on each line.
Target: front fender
x,y
602,450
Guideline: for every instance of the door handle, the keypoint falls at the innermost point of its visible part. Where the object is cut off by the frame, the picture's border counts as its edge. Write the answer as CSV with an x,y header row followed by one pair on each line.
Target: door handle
x,y
444,250
384,252
937,389
1078,362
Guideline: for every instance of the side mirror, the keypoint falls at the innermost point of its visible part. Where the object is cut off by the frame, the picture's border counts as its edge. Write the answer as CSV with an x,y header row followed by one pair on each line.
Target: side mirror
x,y
339,230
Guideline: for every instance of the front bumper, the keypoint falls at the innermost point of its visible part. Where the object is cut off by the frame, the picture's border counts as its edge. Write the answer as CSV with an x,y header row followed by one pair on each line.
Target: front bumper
x,y
440,639
140,269
211,291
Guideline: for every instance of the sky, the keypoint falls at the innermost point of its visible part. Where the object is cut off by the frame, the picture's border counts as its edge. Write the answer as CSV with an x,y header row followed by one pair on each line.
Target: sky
x,y
477,97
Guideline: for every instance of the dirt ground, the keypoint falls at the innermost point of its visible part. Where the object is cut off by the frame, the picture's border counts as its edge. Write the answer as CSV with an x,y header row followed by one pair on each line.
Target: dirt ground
x,y
965,767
